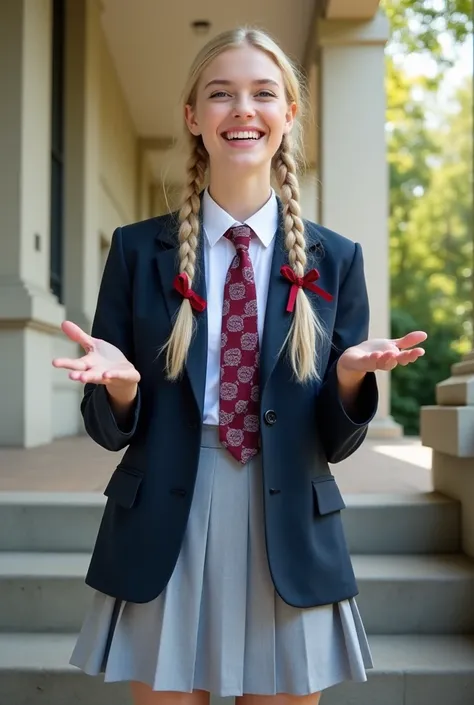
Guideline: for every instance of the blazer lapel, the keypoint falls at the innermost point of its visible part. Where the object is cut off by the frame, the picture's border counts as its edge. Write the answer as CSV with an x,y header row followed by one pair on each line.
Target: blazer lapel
x,y
277,321
168,263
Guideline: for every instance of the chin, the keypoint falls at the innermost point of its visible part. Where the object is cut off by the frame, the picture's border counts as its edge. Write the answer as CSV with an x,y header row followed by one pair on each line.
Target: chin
x,y
248,161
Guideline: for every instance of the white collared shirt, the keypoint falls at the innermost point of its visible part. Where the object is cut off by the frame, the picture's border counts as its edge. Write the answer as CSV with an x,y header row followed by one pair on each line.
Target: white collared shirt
x,y
218,254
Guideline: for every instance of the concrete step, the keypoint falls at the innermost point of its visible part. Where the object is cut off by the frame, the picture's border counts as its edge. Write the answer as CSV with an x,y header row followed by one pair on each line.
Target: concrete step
x,y
49,521
409,670
417,523
413,670
375,523
416,594
45,592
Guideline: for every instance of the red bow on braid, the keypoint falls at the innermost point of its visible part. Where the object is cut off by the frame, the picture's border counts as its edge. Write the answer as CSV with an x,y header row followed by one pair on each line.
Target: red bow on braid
x,y
306,282
181,284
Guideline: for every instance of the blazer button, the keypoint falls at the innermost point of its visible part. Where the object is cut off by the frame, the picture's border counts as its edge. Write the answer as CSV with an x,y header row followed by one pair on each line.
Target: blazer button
x,y
270,417
178,491
272,490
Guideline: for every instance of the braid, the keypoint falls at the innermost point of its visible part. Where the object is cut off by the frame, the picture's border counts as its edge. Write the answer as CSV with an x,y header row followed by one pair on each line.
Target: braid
x,y
180,339
306,332
189,212
290,195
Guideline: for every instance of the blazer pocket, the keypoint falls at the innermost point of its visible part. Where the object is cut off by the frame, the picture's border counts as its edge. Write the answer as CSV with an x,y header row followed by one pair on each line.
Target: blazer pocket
x,y
123,486
327,496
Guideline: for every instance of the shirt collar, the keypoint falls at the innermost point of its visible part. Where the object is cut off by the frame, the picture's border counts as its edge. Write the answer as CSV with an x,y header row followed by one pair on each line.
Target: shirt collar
x,y
216,221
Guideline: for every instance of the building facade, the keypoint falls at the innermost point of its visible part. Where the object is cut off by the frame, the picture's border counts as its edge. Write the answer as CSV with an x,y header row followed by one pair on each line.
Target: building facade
x,y
87,139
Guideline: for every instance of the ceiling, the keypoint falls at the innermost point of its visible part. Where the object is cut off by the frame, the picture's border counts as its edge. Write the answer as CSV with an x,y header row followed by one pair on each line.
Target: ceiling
x,y
350,9
153,45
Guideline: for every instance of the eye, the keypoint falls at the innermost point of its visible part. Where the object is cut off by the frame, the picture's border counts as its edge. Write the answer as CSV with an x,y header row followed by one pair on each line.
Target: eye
x,y
266,94
219,94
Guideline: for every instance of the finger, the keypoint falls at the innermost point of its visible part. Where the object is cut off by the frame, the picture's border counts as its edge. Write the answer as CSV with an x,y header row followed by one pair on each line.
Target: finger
x,y
410,339
77,335
92,376
71,363
387,356
387,361
121,375
75,375
408,356
388,366
374,357
369,362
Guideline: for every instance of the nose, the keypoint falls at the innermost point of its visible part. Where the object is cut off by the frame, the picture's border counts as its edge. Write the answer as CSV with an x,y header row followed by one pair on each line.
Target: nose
x,y
243,107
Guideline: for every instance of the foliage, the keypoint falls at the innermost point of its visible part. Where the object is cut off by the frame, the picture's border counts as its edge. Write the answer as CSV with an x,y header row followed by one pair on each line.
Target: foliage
x,y
431,223
425,25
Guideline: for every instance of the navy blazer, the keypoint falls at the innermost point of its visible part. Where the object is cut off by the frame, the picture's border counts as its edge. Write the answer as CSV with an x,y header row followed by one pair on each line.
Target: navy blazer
x,y
303,426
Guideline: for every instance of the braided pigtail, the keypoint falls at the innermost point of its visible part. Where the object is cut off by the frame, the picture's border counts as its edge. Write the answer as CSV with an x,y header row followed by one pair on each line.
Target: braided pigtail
x,y
177,346
306,333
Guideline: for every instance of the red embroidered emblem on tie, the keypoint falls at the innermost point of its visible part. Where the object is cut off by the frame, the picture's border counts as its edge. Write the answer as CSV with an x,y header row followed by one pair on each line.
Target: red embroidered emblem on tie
x,y
239,395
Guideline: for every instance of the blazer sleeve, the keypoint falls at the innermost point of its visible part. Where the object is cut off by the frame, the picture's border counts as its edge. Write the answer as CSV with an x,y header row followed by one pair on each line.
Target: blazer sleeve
x,y
113,323
341,433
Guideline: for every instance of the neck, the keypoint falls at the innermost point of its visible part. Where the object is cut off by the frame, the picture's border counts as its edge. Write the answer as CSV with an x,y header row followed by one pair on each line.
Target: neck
x,y
241,197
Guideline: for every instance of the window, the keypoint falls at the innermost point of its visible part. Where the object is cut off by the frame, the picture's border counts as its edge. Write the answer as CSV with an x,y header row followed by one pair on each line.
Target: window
x,y
57,151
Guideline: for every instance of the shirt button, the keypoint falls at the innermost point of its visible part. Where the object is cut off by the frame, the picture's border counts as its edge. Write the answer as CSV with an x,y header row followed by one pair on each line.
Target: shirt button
x,y
270,417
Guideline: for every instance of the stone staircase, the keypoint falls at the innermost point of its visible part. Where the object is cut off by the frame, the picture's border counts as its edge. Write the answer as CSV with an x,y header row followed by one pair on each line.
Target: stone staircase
x,y
416,599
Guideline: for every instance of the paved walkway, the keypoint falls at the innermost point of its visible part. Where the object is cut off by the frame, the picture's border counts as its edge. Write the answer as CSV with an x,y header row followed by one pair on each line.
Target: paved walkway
x,y
79,465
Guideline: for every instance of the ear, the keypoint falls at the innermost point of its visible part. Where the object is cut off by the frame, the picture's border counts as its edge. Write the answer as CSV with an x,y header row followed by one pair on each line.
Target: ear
x,y
290,117
191,122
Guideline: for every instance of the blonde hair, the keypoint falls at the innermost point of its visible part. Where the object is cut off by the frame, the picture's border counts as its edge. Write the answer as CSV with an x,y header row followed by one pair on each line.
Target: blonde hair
x,y
306,333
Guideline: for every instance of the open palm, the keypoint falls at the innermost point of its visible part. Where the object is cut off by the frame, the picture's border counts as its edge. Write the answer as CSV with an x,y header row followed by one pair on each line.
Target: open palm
x,y
383,353
103,363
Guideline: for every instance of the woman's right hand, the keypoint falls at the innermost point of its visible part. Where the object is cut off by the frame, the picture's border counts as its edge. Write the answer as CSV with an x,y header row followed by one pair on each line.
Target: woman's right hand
x,y
103,363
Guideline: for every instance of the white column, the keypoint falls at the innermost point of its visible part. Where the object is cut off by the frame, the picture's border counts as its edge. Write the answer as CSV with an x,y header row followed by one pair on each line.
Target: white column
x,y
29,314
309,194
309,178
353,164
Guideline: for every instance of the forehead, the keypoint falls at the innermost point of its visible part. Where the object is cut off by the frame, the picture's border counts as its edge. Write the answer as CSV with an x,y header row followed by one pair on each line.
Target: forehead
x,y
244,64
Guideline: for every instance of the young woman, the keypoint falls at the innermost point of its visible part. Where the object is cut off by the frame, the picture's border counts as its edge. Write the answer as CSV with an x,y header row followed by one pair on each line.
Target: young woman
x,y
229,353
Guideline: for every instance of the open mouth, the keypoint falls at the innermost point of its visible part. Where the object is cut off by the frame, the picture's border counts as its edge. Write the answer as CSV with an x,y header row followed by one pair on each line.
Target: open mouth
x,y
242,135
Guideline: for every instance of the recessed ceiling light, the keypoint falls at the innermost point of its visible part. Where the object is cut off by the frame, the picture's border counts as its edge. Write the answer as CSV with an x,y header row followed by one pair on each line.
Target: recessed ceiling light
x,y
201,26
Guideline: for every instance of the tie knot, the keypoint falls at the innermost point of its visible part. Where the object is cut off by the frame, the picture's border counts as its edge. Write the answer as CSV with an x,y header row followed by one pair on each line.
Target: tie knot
x,y
240,236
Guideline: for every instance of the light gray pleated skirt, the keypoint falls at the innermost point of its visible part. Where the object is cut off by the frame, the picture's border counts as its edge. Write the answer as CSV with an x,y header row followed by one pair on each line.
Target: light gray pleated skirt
x,y
219,625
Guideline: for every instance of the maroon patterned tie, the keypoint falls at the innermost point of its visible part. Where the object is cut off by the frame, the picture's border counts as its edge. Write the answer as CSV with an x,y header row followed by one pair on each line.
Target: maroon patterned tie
x,y
239,385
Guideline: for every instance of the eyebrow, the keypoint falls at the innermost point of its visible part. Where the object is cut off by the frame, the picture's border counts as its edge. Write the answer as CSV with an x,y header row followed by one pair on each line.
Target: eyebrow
x,y
225,82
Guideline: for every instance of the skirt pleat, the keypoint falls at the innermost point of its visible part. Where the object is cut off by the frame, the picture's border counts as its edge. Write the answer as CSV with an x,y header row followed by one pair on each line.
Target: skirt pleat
x,y
219,625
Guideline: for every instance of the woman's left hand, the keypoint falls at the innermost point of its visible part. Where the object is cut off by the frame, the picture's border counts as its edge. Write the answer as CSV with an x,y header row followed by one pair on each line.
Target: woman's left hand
x,y
381,354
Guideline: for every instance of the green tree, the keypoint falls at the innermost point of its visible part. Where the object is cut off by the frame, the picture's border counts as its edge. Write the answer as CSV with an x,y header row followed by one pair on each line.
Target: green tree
x,y
430,198
410,147
421,25
431,243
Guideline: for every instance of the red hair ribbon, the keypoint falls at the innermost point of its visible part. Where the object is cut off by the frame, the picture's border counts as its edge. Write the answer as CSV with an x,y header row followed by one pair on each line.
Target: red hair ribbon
x,y
305,282
181,284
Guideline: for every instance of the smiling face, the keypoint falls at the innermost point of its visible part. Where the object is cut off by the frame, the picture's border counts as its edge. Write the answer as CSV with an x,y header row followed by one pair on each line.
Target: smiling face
x,y
241,109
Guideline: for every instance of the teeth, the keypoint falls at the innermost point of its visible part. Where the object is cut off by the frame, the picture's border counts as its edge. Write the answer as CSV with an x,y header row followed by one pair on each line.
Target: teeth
x,y
243,135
